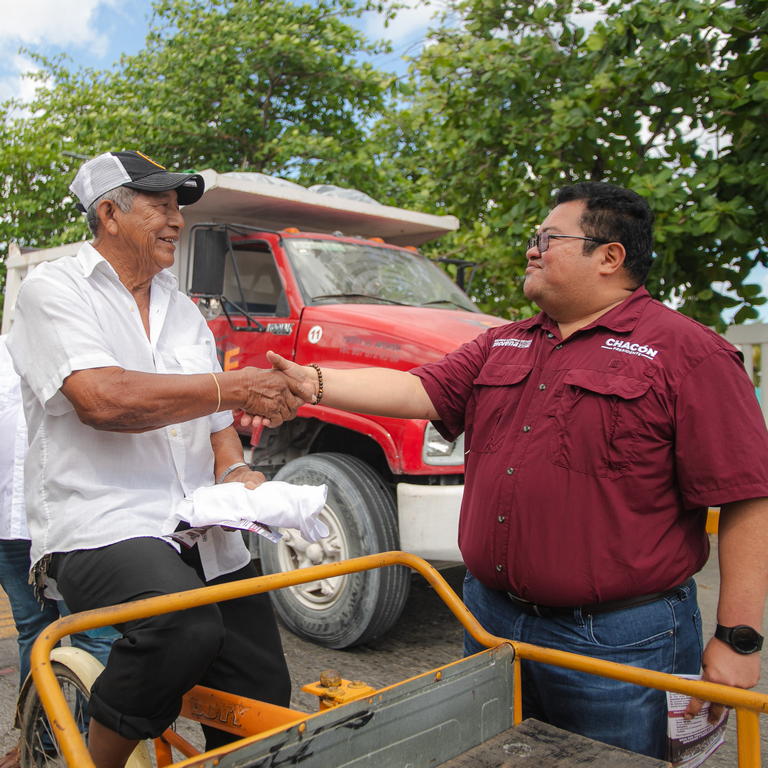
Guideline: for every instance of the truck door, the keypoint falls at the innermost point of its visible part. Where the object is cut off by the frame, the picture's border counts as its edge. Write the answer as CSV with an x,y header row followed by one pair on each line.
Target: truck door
x,y
252,282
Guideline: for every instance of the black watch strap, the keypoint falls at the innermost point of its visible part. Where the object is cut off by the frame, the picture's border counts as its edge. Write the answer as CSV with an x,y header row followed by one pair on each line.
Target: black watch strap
x,y
742,638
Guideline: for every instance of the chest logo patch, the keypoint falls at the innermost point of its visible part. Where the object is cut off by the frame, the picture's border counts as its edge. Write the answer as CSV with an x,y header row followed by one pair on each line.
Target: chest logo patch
x,y
519,343
630,348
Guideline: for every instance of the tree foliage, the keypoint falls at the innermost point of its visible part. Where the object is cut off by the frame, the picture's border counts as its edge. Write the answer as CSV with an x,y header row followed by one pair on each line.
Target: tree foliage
x,y
515,99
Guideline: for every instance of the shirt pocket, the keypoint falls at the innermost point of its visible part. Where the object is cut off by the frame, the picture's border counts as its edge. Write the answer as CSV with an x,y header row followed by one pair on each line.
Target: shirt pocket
x,y
497,392
194,358
598,418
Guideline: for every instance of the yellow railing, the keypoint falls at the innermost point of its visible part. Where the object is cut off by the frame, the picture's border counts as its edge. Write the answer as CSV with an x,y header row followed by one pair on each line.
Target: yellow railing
x,y
748,704
713,519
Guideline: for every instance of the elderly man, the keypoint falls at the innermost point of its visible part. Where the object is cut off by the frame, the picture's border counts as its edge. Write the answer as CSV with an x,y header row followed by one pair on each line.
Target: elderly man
x,y
597,433
128,412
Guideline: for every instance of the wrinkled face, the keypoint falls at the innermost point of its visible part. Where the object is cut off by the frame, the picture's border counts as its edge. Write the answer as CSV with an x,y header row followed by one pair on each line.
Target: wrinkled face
x,y
563,272
150,230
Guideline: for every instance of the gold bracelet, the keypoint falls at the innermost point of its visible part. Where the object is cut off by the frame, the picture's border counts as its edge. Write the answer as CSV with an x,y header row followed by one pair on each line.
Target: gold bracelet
x,y
319,395
218,391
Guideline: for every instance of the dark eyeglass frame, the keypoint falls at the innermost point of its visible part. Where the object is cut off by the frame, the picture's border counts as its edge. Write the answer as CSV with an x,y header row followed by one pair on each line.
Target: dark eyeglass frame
x,y
540,240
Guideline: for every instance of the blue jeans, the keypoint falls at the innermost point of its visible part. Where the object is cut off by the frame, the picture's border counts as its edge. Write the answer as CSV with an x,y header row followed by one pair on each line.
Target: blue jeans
x,y
30,617
664,635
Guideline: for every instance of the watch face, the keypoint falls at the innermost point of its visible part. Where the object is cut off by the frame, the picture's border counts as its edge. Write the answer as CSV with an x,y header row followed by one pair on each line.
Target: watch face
x,y
745,639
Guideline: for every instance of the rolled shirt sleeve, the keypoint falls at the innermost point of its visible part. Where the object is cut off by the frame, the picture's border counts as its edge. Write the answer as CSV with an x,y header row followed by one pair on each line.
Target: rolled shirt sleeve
x,y
721,445
54,334
449,383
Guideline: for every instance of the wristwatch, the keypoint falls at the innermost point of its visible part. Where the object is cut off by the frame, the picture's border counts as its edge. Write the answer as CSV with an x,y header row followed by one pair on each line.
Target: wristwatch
x,y
742,638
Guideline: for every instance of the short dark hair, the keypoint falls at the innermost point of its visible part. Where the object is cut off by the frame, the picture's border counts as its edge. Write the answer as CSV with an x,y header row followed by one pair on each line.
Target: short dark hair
x,y
618,215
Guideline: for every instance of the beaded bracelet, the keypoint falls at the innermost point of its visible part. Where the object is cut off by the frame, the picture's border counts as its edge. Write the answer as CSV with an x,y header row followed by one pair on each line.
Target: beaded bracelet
x,y
319,395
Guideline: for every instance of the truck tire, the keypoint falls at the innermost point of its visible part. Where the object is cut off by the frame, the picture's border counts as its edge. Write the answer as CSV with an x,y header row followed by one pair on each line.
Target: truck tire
x,y
360,513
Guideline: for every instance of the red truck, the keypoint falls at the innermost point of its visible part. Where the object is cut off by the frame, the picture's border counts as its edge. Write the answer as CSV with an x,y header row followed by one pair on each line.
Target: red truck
x,y
332,277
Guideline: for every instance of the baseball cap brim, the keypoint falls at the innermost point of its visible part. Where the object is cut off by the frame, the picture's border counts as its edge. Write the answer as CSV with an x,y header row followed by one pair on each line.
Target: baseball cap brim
x,y
189,187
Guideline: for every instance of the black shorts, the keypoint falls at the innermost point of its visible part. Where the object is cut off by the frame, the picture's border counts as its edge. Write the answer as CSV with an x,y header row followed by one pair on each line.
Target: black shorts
x,y
234,645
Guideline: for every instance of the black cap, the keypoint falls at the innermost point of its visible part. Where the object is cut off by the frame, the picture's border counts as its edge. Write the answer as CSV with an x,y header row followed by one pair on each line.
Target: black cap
x,y
136,171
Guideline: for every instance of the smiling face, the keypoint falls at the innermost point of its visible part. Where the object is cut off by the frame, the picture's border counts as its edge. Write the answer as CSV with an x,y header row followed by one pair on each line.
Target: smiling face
x,y
563,275
149,231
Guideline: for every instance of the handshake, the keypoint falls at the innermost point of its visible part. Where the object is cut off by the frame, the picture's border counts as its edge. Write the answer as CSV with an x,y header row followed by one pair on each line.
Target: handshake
x,y
268,397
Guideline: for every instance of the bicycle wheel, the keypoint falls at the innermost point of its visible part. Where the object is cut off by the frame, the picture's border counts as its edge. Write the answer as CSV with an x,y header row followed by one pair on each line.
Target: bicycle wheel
x,y
38,747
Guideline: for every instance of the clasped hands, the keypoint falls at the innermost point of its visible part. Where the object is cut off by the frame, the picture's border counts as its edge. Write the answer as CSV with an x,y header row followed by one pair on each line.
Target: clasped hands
x,y
274,395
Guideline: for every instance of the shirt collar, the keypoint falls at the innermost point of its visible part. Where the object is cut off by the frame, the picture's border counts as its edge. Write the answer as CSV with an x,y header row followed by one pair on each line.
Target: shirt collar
x,y
90,259
621,319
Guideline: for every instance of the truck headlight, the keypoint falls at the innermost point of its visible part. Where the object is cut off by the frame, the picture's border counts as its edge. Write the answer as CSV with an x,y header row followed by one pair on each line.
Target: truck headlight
x,y
438,450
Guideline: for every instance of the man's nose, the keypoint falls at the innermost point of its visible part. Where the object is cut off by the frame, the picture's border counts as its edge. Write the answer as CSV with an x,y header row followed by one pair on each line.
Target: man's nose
x,y
175,218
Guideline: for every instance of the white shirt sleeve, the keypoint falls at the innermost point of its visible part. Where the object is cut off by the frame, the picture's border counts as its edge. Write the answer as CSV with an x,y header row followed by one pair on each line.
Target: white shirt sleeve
x,y
54,333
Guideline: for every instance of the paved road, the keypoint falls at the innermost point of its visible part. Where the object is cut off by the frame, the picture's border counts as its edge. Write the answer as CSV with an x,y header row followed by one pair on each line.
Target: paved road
x,y
425,637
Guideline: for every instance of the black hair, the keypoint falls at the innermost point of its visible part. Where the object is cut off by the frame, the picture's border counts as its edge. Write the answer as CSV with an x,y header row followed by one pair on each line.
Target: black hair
x,y
617,215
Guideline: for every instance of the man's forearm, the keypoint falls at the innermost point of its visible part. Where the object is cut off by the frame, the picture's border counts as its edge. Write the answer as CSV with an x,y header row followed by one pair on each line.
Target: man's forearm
x,y
115,399
743,554
379,391
227,450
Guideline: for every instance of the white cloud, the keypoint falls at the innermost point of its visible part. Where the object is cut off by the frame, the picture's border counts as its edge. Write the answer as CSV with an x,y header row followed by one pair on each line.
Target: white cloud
x,y
12,82
61,23
51,26
409,22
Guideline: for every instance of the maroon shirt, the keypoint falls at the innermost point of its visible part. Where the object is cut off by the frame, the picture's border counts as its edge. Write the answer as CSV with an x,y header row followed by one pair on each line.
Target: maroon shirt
x,y
591,462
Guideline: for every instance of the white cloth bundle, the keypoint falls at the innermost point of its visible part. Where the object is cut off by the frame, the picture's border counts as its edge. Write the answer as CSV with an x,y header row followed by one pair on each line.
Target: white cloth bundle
x,y
274,503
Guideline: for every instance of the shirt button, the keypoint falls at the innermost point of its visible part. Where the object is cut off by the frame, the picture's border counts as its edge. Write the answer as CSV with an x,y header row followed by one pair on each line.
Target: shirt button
x,y
501,518
510,470
173,433
499,568
550,335
542,386
558,346
526,428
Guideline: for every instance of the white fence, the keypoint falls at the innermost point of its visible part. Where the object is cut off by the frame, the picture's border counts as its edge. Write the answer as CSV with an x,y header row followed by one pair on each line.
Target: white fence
x,y
752,340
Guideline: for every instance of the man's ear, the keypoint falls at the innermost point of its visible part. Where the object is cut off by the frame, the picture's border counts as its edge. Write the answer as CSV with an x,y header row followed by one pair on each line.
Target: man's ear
x,y
106,211
612,258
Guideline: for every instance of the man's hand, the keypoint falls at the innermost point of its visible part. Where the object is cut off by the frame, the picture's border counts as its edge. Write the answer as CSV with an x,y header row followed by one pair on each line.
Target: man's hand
x,y
271,397
721,664
304,380
249,477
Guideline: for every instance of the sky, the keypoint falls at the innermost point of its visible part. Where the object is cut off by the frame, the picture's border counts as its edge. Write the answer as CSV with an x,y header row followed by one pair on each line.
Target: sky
x,y
95,33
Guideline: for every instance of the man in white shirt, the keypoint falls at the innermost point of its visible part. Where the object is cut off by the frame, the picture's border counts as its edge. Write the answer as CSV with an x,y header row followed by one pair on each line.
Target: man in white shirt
x,y
128,412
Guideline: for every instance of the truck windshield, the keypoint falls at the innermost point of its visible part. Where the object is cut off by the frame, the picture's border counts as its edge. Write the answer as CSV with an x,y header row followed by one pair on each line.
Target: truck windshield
x,y
332,272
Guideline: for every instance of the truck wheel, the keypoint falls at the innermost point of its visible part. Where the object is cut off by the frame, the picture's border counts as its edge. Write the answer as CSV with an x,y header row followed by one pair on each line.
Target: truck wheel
x,y
361,517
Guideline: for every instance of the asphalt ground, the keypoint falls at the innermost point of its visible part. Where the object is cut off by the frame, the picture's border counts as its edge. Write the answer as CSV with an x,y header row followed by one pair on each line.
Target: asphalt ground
x,y
426,636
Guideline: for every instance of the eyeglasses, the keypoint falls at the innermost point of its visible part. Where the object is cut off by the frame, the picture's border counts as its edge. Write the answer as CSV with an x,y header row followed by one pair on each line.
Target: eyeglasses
x,y
541,240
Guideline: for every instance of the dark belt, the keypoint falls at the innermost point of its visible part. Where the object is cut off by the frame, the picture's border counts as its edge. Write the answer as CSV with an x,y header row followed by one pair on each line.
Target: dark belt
x,y
546,611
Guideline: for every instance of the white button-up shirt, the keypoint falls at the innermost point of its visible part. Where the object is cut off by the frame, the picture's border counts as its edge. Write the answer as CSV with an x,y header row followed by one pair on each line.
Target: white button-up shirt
x,y
86,488
13,446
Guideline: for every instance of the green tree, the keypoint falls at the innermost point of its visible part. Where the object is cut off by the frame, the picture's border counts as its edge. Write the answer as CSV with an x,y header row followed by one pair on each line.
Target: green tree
x,y
514,99
275,86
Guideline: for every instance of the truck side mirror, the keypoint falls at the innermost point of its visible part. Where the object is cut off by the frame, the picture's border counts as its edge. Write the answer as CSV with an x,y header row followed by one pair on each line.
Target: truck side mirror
x,y
210,258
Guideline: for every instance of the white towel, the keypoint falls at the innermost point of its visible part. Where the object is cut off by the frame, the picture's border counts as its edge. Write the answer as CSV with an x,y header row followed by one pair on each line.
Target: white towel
x,y
274,503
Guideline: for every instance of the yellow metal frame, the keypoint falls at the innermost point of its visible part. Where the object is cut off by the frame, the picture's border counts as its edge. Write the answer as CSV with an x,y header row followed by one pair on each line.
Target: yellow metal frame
x,y
748,704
